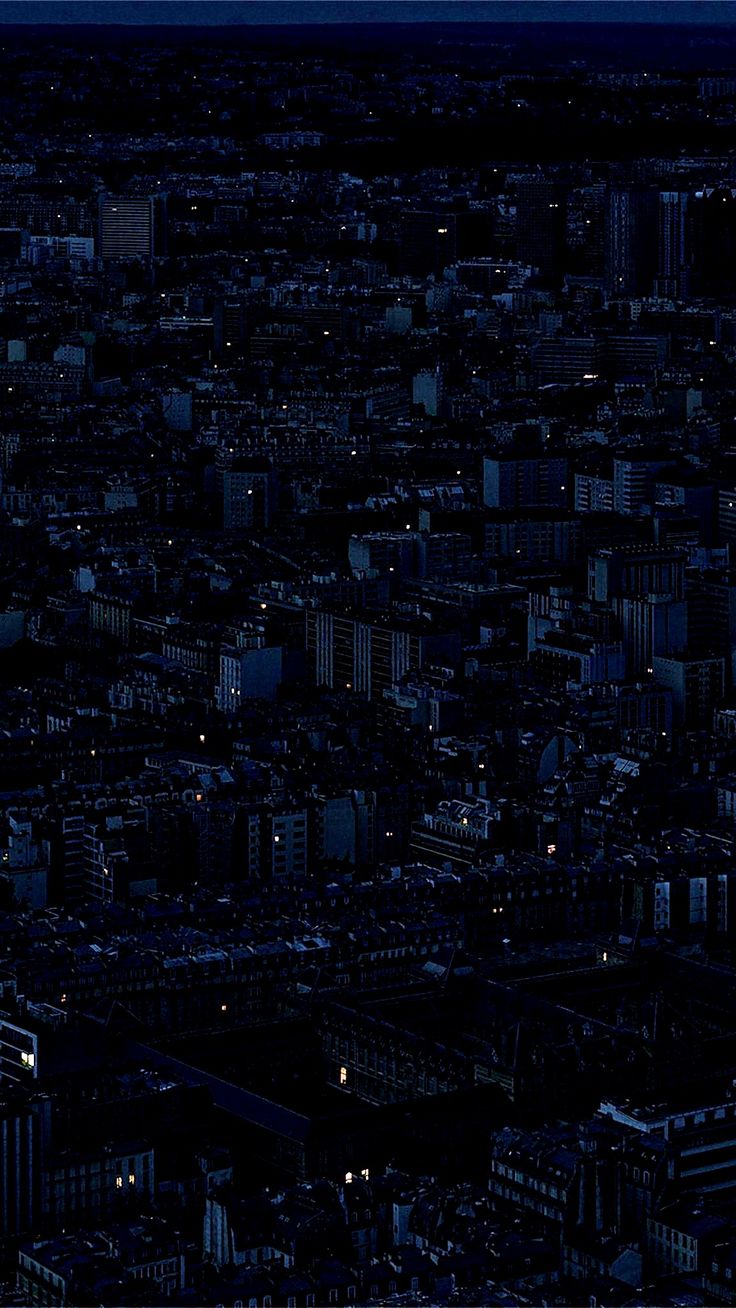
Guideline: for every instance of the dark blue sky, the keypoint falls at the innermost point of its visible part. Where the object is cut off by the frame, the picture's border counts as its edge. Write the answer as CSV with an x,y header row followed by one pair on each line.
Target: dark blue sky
x,y
224,12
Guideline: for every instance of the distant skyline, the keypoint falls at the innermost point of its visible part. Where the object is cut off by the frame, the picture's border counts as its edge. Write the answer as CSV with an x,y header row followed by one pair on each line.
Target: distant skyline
x,y
214,13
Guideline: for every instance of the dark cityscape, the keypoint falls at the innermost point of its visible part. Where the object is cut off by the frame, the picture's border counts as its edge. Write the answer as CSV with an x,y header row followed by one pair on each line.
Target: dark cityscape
x,y
367,654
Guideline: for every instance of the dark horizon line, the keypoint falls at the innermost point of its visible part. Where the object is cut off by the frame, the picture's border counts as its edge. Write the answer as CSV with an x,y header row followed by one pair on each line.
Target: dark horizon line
x,y
375,22
253,15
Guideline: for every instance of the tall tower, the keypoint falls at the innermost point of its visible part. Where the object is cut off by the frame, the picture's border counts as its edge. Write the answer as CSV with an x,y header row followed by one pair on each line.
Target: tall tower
x,y
427,241
631,240
131,226
541,225
672,274
712,225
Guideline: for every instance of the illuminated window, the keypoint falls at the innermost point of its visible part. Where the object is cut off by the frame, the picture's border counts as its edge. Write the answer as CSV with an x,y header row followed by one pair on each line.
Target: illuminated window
x,y
343,1076
131,1178
118,1182
365,1173
223,1008
28,1060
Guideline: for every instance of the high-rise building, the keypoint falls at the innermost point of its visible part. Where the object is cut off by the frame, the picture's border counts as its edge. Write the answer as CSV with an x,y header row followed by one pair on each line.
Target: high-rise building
x,y
711,597
518,482
564,360
274,842
245,495
634,477
632,240
672,273
177,410
368,657
131,226
651,625
427,241
248,674
426,389
541,221
24,1130
634,573
229,326
697,684
383,552
594,489
726,513
712,228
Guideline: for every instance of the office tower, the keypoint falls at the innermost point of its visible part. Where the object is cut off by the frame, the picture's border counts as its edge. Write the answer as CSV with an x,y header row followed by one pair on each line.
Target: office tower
x,y
252,673
177,410
383,552
594,487
631,240
443,554
688,492
697,684
634,572
712,228
644,706
426,389
25,1126
229,326
726,513
564,360
645,589
131,226
513,482
672,273
246,495
711,599
541,219
634,478
427,242
369,657
73,355
651,625
398,319
273,841
590,251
